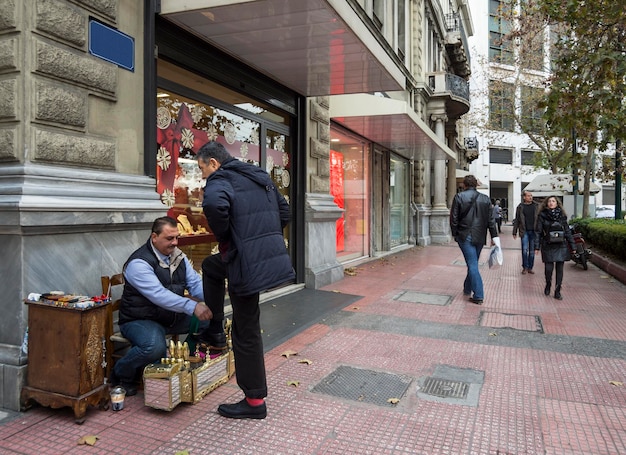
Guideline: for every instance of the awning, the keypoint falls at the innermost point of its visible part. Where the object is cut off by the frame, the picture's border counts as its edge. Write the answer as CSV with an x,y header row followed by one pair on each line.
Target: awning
x,y
558,185
390,123
315,47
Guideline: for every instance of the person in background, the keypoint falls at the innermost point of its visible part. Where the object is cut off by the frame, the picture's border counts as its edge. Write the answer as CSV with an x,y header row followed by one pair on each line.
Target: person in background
x,y
470,218
524,223
497,215
552,217
153,305
247,215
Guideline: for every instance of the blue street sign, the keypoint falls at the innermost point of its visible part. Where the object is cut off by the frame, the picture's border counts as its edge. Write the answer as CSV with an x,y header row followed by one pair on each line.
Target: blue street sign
x,y
111,45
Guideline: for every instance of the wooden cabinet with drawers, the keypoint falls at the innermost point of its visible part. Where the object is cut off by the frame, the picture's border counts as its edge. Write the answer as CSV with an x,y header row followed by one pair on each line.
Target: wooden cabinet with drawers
x,y
66,358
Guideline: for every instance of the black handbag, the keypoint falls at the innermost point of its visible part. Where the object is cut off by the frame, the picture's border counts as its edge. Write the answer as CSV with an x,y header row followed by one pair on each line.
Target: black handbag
x,y
556,233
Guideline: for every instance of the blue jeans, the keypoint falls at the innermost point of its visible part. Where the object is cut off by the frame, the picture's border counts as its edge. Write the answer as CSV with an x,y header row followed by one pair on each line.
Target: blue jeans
x,y
528,252
473,281
147,339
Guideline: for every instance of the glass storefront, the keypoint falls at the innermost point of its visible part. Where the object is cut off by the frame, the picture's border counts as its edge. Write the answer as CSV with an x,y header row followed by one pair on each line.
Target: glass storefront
x,y
398,200
349,184
192,111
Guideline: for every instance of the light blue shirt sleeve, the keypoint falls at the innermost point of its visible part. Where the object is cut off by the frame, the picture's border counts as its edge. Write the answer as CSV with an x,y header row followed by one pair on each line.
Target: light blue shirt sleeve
x,y
141,276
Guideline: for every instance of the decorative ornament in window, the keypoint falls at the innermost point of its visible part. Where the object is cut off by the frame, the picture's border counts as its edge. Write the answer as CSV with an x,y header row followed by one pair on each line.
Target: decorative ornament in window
x,y
167,197
187,138
285,178
270,163
244,150
163,159
285,159
254,137
164,118
230,133
211,133
279,144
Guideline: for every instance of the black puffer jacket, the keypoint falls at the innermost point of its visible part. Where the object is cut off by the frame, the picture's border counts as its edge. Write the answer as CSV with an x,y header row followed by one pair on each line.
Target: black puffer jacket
x,y
472,218
553,252
247,214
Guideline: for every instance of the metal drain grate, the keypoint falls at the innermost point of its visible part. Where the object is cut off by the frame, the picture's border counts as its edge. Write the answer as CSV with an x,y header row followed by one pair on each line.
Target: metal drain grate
x,y
363,385
445,388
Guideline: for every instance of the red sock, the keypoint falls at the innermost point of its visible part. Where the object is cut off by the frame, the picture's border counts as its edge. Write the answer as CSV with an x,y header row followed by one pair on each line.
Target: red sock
x,y
255,401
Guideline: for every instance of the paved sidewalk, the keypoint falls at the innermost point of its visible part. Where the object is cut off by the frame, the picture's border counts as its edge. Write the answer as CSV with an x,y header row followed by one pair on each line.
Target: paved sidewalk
x,y
521,374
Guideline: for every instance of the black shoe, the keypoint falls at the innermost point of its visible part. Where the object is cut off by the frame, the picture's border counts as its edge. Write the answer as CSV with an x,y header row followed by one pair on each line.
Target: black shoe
x,y
242,410
546,291
214,340
558,296
476,301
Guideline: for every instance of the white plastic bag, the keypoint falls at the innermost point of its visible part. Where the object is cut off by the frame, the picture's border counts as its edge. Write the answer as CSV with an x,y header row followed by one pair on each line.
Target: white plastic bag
x,y
495,256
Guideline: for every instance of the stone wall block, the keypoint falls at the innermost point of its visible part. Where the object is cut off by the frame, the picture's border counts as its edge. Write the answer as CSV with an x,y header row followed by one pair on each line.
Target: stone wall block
x,y
8,145
107,8
319,150
74,150
320,185
324,101
319,113
8,98
82,69
323,132
8,15
54,103
8,54
323,168
62,20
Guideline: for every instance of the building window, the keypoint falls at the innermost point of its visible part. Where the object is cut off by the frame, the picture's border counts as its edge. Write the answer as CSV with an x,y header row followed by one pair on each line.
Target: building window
x,y
500,156
500,49
529,157
378,15
501,106
398,201
531,113
402,29
532,51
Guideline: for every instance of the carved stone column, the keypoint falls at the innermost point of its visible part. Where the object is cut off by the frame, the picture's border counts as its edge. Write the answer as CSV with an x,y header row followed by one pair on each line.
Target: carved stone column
x,y
439,219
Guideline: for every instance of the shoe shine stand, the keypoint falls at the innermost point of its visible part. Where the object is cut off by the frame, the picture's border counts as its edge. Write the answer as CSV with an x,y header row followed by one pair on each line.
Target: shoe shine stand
x,y
182,378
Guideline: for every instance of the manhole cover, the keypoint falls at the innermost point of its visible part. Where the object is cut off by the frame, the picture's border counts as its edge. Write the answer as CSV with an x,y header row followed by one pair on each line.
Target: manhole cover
x,y
527,322
367,386
423,297
445,389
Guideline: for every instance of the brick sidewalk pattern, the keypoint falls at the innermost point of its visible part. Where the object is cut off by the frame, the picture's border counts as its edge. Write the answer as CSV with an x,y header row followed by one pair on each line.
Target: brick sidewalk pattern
x,y
521,374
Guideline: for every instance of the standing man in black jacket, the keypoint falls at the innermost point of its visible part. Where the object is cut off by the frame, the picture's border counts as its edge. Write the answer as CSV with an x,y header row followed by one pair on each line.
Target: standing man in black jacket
x,y
524,223
247,214
470,217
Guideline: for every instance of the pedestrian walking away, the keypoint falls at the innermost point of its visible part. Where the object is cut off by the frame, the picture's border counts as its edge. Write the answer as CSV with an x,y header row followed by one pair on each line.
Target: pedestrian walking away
x,y
470,218
153,304
555,240
247,215
524,224
497,215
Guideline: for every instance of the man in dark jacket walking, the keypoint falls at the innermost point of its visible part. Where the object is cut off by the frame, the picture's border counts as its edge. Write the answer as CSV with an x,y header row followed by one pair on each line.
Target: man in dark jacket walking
x,y
470,217
524,223
247,214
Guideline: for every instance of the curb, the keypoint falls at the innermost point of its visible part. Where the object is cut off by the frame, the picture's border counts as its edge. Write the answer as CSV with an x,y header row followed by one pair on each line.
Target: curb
x,y
609,267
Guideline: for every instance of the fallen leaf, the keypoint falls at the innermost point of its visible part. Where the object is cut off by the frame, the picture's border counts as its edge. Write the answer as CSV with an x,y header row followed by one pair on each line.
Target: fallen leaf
x,y
616,383
307,361
88,440
361,397
393,400
493,334
293,383
349,271
289,353
355,308
182,452
273,305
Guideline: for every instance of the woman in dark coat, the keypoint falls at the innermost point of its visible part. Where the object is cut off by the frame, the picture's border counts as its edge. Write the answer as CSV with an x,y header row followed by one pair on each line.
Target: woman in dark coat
x,y
552,218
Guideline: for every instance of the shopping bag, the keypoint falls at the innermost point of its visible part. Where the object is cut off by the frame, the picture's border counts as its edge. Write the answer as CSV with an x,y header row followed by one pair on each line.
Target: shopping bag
x,y
495,256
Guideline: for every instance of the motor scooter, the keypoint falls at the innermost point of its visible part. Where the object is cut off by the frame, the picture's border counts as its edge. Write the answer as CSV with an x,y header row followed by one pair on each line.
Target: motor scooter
x,y
582,253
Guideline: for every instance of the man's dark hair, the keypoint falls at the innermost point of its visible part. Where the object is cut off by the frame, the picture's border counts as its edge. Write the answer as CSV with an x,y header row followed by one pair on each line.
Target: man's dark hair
x,y
470,181
159,223
213,150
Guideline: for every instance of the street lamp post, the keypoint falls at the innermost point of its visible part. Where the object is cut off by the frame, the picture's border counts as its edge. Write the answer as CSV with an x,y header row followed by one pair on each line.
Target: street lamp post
x,y
618,180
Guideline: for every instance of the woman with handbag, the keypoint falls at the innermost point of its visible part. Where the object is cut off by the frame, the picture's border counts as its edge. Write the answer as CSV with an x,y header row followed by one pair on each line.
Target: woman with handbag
x,y
554,238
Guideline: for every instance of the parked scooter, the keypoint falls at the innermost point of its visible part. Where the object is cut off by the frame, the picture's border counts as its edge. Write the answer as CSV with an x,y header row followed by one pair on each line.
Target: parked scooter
x,y
582,254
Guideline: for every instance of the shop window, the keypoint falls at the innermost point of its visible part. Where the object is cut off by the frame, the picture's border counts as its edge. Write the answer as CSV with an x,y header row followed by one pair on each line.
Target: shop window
x,y
184,124
349,176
